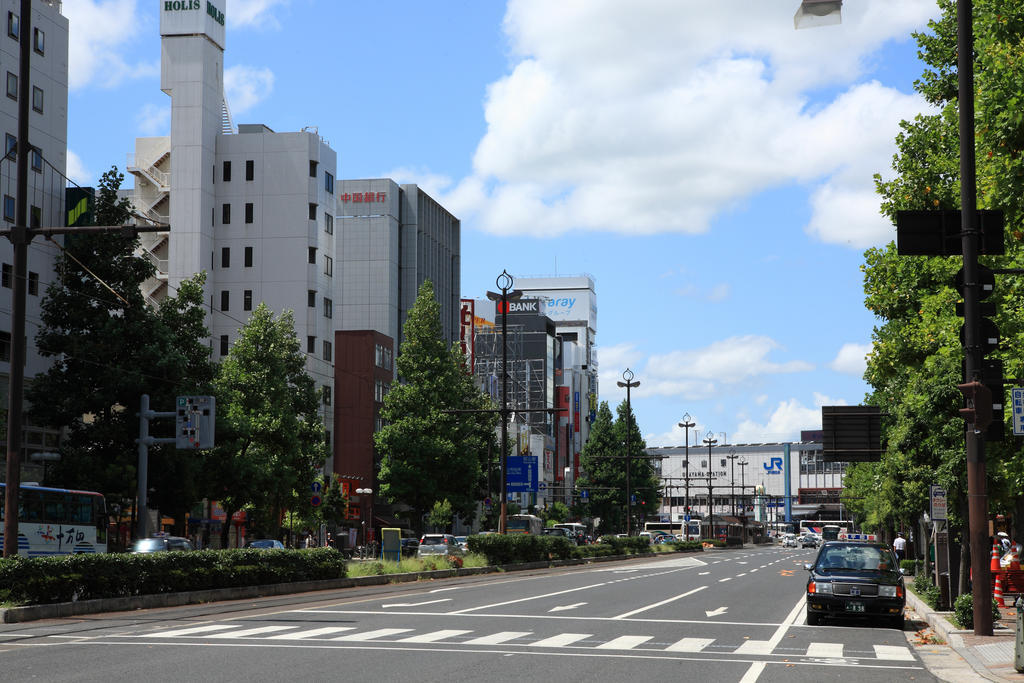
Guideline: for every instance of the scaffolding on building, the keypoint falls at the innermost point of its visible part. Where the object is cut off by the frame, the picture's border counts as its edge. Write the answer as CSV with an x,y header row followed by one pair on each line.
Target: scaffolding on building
x,y
526,380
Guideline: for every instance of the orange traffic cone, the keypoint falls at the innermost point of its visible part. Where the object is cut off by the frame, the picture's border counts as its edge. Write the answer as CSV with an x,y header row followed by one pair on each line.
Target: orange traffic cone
x,y
998,592
994,563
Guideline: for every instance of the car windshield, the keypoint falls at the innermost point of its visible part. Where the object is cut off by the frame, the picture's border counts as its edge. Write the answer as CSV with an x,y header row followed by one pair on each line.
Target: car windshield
x,y
856,558
148,545
433,540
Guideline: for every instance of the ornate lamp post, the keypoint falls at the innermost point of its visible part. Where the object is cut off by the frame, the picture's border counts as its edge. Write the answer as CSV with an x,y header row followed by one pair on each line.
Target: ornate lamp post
x,y
686,424
362,509
504,283
628,384
732,481
710,440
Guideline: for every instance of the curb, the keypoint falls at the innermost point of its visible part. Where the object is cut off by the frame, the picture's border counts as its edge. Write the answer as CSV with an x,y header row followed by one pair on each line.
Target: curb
x,y
14,615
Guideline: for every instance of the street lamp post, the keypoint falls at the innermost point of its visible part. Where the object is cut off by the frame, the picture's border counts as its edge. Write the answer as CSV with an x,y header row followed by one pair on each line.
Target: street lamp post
x,y
743,485
628,384
710,440
732,480
686,424
504,283
362,509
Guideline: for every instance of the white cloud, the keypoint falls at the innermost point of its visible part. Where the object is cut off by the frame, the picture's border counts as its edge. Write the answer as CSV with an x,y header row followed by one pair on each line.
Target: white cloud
x,y
432,183
98,31
728,361
786,422
592,129
77,171
247,86
851,359
252,13
154,119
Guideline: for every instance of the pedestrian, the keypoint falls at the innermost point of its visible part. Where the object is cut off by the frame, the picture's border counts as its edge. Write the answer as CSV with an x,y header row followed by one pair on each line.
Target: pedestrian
x,y
899,546
1004,541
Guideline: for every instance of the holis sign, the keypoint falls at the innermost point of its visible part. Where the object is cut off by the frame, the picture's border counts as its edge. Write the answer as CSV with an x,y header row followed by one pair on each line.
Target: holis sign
x,y
192,6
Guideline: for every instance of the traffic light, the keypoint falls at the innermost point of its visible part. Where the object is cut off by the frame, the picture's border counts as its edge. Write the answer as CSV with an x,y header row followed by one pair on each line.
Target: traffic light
x,y
985,407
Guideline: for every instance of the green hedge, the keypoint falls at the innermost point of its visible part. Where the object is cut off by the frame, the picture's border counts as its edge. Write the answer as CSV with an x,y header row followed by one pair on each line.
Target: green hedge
x,y
963,610
42,580
927,591
519,548
913,567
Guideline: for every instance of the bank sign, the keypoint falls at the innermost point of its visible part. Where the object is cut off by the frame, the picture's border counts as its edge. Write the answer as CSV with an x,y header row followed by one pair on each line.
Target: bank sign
x,y
193,17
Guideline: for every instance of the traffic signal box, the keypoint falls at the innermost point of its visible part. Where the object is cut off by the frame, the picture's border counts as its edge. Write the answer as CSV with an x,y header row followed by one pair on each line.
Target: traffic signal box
x,y
984,394
194,422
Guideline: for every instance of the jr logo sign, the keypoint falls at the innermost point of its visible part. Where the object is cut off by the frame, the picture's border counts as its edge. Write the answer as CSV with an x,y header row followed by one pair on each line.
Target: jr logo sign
x,y
774,467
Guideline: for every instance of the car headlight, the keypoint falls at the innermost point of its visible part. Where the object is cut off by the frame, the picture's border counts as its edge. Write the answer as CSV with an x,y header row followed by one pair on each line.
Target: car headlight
x,y
887,591
820,587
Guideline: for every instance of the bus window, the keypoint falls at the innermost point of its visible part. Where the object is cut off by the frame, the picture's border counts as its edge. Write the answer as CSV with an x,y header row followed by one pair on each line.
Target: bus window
x,y
53,507
30,506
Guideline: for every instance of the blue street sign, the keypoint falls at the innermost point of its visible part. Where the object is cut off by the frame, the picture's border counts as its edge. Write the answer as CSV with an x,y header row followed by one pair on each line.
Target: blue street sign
x,y
584,494
686,518
315,487
521,474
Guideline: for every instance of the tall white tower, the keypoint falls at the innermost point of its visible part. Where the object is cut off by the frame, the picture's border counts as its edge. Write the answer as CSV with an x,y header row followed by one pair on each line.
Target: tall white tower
x,y
192,73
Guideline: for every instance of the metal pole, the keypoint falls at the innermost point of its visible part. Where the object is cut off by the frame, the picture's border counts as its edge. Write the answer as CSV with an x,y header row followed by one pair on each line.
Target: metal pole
x,y
977,500
503,518
686,424
142,476
20,237
629,384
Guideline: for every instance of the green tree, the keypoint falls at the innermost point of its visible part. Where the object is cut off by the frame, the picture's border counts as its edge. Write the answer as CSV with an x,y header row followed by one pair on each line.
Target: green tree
x,y
440,515
556,513
108,347
915,362
270,436
428,452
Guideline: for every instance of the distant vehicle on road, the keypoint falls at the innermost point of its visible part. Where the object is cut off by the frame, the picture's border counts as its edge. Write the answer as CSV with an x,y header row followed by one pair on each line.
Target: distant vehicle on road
x,y
855,579
524,524
690,529
158,544
809,540
789,541
55,521
557,531
266,544
438,544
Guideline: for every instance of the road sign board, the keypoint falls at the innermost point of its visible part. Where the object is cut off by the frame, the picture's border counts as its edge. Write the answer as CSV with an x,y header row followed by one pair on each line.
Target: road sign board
x,y
938,503
686,518
315,487
542,485
315,501
521,474
584,494
1017,401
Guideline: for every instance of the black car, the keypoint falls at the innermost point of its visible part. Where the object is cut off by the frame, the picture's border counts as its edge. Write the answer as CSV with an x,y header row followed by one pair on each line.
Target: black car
x,y
855,579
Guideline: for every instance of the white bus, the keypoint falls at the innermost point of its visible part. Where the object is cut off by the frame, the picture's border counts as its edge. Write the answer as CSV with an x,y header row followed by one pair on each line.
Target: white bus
x,y
828,529
54,521
524,524
692,529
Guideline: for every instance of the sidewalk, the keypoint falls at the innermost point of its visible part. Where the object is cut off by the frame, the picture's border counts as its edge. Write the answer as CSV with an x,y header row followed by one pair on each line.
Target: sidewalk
x,y
990,657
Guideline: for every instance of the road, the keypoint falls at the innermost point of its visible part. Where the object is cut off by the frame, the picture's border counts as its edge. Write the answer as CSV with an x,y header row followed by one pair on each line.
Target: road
x,y
723,615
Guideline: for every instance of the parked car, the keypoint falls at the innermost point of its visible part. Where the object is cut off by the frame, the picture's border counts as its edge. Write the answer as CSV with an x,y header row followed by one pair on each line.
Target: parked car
x,y
266,544
409,547
855,579
463,542
558,531
438,544
158,544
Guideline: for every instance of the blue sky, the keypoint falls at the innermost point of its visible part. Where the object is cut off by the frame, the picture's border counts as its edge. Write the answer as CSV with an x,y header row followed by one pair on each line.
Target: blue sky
x,y
707,164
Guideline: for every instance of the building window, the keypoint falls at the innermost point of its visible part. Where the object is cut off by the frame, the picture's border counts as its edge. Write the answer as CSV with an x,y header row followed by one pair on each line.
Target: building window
x,y
328,224
37,99
225,214
311,256
33,283
225,257
248,257
12,85
327,395
35,217
382,356
6,275
8,208
379,389
328,266
223,344
12,147
329,182
312,168
38,43
312,212
248,212
378,424
5,347
225,300
311,298
328,308
226,175
310,344
327,351
37,160
250,169
247,300
327,437
13,25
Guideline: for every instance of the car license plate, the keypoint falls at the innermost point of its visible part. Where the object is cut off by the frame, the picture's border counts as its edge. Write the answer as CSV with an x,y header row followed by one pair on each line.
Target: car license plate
x,y
855,607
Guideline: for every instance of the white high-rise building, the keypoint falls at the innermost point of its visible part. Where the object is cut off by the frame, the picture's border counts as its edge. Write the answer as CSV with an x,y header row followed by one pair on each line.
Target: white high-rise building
x,y
252,208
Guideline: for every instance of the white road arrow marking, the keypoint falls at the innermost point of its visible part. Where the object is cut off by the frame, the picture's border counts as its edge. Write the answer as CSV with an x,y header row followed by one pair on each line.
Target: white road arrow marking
x,y
562,608
716,612
416,604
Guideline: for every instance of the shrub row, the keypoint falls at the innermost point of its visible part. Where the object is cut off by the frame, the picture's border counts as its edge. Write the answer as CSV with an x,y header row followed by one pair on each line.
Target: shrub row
x,y
518,548
927,591
913,567
43,580
963,610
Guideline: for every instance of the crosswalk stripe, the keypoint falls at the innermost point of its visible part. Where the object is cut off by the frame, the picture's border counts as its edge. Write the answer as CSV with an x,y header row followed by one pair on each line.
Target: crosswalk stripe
x,y
190,631
624,642
825,650
561,640
755,647
313,633
245,633
690,645
893,652
497,638
370,635
433,637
